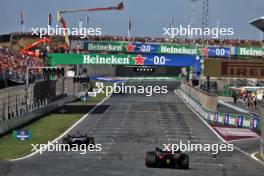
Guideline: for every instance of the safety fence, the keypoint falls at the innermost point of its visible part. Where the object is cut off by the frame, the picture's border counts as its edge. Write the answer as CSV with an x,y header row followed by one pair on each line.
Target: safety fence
x,y
222,118
20,100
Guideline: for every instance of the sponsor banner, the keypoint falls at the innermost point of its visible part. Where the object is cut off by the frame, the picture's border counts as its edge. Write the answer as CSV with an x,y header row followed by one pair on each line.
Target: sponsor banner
x,y
248,51
218,52
105,46
232,119
133,47
254,123
220,117
226,119
239,121
234,68
139,47
246,122
180,49
216,115
145,48
126,59
22,134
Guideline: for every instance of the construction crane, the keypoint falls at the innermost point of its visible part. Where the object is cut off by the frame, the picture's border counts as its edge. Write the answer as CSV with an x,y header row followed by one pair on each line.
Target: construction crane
x,y
27,49
120,6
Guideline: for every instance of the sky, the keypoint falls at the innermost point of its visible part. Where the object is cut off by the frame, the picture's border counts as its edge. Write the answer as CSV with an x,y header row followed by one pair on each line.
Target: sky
x,y
148,17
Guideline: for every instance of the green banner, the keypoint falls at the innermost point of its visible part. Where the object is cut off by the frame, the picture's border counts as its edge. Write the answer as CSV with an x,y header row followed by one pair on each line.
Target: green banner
x,y
150,48
180,49
138,47
106,46
249,51
71,59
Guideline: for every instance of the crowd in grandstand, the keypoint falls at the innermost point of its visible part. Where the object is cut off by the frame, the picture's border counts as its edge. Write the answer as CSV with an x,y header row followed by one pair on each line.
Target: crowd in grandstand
x,y
213,42
13,65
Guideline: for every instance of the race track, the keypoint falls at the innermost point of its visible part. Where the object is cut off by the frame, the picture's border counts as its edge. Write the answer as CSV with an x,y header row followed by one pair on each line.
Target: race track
x,y
129,125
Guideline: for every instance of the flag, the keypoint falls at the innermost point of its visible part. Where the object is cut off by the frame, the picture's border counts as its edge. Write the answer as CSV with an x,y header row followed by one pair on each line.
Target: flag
x,y
49,19
22,17
129,24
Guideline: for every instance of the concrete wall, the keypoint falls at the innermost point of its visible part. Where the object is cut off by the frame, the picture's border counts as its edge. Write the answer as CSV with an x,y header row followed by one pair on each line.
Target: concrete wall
x,y
207,100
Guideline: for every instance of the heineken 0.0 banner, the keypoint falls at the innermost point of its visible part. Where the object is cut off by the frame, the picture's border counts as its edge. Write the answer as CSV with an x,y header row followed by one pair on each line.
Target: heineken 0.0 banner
x,y
154,48
138,47
125,59
249,51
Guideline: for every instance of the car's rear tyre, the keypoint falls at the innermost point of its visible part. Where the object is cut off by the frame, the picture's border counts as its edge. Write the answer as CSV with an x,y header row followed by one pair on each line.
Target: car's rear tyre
x,y
151,159
91,140
66,142
184,161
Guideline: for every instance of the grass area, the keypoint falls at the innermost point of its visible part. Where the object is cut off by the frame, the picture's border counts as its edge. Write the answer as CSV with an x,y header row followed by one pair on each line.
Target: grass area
x,y
43,130
258,155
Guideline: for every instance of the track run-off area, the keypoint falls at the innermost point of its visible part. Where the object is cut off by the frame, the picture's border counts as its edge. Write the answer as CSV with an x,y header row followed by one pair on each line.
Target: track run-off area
x,y
129,125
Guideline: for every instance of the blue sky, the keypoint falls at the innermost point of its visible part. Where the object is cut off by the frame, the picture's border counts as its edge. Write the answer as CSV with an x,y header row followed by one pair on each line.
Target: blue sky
x,y
148,16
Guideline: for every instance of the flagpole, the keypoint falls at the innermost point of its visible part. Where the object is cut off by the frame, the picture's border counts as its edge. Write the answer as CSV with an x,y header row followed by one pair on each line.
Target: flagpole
x,y
171,27
87,21
22,20
129,28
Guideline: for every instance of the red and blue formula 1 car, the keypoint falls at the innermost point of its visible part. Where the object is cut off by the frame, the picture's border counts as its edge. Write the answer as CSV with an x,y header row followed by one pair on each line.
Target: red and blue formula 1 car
x,y
164,158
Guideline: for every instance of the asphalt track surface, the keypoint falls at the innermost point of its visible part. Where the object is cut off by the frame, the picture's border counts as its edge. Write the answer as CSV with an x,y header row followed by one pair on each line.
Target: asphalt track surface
x,y
129,125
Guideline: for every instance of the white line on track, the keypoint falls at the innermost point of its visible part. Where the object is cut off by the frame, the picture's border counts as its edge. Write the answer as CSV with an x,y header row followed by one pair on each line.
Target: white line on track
x,y
178,131
175,135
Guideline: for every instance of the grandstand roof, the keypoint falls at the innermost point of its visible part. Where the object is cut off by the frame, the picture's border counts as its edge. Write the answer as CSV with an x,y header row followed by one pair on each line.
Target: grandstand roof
x,y
258,23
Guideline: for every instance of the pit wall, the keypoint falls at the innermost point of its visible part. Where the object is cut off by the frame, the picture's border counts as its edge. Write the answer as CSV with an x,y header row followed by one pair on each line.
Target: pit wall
x,y
215,118
35,112
208,101
21,104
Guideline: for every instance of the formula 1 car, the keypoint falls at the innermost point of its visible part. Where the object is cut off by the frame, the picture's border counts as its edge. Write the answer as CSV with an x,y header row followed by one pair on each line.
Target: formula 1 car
x,y
164,158
78,139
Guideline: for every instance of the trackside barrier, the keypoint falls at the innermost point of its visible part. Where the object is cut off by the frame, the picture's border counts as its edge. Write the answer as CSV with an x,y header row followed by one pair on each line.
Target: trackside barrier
x,y
208,101
221,118
37,111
